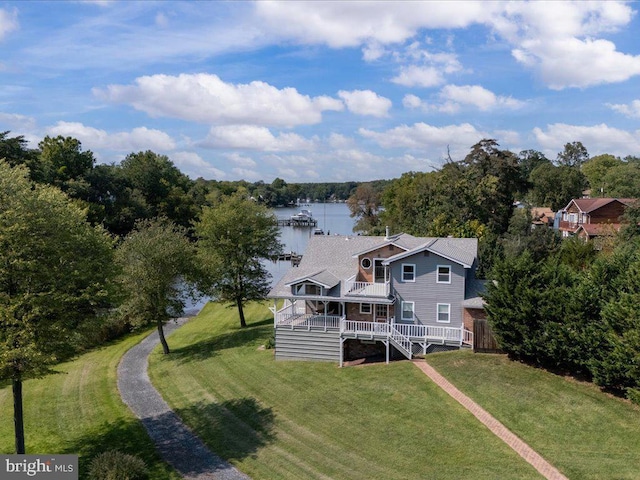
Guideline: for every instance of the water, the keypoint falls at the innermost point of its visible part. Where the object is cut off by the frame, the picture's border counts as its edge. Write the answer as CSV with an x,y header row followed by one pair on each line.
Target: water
x,y
333,219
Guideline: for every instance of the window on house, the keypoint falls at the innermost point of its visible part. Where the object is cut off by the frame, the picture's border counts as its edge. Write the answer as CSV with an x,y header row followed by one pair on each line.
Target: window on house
x,y
407,310
381,311
444,312
444,274
366,263
408,272
308,289
365,308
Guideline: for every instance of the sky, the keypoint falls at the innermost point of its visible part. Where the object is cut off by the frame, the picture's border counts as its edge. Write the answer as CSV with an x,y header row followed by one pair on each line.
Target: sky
x,y
320,91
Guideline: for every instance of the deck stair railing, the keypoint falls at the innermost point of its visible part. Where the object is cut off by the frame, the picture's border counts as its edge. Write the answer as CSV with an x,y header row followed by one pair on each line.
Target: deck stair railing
x,y
400,341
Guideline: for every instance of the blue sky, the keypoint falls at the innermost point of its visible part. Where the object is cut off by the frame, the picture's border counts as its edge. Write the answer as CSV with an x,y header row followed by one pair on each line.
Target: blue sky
x,y
320,91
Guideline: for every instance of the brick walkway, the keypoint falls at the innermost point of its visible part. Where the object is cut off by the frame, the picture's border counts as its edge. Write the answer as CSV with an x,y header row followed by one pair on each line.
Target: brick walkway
x,y
504,434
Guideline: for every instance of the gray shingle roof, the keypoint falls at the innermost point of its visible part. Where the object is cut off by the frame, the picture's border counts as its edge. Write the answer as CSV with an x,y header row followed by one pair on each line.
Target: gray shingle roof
x,y
331,259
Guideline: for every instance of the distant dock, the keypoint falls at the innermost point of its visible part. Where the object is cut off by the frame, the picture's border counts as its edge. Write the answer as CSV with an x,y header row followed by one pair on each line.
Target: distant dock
x,y
293,257
292,222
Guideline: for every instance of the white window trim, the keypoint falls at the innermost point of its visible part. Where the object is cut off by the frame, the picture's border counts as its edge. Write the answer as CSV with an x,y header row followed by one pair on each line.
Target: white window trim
x,y
438,267
413,265
370,309
413,311
362,261
448,305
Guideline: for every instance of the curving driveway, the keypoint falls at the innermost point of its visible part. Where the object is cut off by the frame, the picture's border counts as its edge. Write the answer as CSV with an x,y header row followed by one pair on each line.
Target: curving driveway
x,y
175,442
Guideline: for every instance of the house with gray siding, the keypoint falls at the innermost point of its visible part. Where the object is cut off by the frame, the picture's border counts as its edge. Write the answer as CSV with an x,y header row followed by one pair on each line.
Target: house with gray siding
x,y
354,296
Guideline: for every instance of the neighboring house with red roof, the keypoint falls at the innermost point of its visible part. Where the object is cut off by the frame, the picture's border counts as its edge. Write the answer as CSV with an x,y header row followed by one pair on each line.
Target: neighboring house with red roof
x,y
354,295
592,217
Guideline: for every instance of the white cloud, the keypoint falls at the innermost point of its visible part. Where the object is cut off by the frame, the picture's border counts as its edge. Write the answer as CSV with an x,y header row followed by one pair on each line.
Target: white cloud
x,y
253,137
561,43
241,160
339,141
417,76
206,98
476,96
411,101
18,122
597,139
195,166
8,22
351,24
424,136
365,102
631,110
140,138
248,175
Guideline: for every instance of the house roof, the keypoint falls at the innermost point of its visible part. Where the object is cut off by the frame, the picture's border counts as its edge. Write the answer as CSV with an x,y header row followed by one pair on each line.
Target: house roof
x,y
459,250
538,213
588,205
401,240
599,229
328,260
323,277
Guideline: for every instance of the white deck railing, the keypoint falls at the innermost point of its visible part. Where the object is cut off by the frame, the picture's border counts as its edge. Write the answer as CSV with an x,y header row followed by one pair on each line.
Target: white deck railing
x,y
366,289
373,328
308,320
429,332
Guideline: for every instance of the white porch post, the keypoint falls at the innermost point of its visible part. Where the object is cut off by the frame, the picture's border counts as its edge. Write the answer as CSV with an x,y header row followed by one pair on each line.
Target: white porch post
x,y
341,350
386,343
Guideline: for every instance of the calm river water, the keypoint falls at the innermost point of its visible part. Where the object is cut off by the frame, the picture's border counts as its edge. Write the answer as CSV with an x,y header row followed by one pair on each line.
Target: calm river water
x,y
333,219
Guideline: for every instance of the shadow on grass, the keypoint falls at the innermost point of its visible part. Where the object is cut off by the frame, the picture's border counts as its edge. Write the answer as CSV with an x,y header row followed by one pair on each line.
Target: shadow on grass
x,y
124,435
234,429
208,347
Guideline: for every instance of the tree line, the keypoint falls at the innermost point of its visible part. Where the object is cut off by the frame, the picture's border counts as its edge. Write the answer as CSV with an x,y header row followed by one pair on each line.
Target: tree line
x,y
145,184
478,196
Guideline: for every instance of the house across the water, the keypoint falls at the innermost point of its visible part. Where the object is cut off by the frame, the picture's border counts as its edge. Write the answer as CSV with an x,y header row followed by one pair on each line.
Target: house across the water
x,y
358,296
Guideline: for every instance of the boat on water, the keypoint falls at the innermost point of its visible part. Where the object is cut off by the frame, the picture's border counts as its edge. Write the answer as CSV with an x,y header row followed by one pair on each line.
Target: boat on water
x,y
318,231
303,215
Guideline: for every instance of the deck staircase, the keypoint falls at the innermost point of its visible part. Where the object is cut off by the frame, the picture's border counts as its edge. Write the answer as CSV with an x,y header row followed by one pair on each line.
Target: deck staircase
x,y
400,341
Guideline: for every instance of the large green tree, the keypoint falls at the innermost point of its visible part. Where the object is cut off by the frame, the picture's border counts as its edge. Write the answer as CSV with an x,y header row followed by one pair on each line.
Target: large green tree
x,y
555,187
157,262
364,205
160,186
234,236
54,273
596,169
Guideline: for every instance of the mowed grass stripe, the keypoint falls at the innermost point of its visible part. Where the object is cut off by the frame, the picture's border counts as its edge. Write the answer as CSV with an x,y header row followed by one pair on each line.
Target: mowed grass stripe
x,y
315,420
573,425
80,411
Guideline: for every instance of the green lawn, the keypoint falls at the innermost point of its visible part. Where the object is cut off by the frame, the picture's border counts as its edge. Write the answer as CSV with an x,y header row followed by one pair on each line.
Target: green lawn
x,y
306,420
580,430
79,411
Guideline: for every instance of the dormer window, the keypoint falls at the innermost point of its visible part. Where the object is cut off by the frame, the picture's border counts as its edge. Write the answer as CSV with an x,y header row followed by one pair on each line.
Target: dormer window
x,y
365,263
308,289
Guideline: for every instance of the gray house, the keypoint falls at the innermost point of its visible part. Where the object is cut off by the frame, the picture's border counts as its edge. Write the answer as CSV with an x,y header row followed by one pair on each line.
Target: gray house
x,y
360,295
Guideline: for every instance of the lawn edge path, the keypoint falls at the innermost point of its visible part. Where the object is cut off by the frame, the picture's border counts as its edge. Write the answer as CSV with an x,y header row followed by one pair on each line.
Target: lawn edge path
x,y
175,442
503,433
